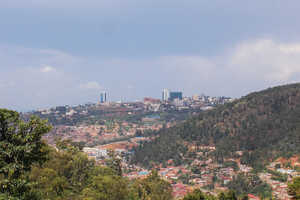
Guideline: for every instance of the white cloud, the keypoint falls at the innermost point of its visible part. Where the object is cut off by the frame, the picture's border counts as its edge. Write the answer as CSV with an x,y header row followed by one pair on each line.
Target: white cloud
x,y
27,82
47,69
92,85
263,59
246,66
266,59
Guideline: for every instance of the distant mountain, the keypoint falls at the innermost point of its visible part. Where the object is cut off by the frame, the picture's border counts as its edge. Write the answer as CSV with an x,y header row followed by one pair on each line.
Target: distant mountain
x,y
263,125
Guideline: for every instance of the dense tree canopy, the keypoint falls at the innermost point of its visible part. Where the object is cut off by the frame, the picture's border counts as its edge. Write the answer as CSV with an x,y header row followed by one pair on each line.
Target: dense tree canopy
x,y
21,146
294,188
199,195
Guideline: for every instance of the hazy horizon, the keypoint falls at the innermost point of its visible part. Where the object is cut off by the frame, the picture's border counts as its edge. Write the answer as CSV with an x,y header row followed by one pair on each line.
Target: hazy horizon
x,y
66,52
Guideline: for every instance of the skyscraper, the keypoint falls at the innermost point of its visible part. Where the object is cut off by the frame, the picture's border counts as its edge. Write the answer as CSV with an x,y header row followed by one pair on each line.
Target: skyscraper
x,y
165,95
175,95
103,97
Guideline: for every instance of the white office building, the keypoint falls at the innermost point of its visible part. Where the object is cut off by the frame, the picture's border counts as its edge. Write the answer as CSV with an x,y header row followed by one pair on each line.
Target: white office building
x,y
165,95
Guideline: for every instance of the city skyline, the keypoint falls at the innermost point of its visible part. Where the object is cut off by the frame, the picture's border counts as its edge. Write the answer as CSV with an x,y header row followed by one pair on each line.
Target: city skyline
x,y
64,52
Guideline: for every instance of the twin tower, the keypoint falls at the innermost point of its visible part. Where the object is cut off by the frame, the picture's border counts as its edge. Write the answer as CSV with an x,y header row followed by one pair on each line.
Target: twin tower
x,y
103,97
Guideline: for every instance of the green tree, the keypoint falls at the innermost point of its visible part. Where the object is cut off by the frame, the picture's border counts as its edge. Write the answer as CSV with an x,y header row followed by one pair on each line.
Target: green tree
x,y
50,184
67,172
231,195
222,196
153,188
294,188
106,187
20,147
195,195
114,162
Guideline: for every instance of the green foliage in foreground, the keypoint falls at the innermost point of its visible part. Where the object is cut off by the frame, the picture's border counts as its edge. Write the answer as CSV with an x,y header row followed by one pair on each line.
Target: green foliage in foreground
x,y
199,195
32,170
70,175
20,148
294,188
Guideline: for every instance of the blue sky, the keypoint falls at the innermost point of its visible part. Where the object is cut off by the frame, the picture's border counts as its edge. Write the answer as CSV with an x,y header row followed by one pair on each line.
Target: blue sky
x,y
66,51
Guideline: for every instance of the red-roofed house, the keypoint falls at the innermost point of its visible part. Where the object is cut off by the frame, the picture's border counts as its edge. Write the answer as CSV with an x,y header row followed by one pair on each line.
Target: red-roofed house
x,y
252,197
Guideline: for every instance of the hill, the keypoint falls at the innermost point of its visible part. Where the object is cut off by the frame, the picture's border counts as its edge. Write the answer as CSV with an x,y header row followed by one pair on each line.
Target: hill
x,y
262,125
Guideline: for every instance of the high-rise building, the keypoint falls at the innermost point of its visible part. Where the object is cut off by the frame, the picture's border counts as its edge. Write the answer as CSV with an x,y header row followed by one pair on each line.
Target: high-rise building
x,y
165,95
175,95
103,97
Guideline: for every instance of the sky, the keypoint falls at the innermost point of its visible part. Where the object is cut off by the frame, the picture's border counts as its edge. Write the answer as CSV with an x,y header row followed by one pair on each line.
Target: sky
x,y
65,52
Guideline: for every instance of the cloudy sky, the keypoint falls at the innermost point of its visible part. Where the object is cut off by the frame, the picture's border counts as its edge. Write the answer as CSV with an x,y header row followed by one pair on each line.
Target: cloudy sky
x,y
58,52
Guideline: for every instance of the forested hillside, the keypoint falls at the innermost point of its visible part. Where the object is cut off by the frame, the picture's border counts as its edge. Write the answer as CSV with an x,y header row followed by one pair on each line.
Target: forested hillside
x,y
264,125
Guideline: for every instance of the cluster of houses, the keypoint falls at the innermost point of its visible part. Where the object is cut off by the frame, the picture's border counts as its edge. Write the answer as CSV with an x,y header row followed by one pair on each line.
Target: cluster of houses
x,y
211,173
280,188
106,132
